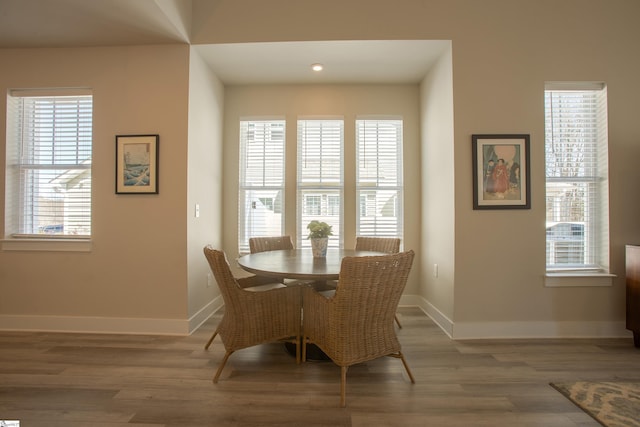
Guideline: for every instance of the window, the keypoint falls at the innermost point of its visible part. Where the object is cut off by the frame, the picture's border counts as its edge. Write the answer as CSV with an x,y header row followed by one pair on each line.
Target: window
x,y
333,205
379,177
320,177
48,172
261,200
576,154
312,205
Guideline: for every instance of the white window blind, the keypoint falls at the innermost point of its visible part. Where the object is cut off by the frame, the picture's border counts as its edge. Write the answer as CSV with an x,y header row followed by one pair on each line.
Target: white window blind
x,y
379,185
48,173
576,154
320,177
262,166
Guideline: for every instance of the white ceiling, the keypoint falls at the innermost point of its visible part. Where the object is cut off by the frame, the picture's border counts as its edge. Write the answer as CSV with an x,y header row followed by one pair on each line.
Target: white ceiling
x,y
370,61
83,23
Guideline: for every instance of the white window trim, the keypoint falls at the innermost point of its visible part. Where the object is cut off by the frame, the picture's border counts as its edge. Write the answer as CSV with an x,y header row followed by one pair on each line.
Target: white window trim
x,y
50,244
243,187
399,187
19,242
302,241
573,279
577,278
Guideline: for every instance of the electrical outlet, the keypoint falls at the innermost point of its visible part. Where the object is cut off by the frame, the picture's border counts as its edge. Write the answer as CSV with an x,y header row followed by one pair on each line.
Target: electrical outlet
x,y
197,212
435,270
209,280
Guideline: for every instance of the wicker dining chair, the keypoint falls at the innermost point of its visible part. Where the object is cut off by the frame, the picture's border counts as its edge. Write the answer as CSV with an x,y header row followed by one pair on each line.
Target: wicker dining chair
x,y
356,324
271,243
252,283
389,245
274,243
253,317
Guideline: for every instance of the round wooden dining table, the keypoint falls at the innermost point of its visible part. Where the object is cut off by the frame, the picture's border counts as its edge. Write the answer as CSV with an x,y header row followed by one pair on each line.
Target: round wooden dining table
x,y
299,263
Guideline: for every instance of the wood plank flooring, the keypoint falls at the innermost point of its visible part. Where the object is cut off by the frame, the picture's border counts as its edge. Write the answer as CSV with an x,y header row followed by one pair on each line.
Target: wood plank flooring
x,y
150,381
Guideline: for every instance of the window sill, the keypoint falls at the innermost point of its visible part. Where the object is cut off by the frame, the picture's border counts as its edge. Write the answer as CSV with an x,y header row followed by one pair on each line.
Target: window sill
x,y
574,279
48,245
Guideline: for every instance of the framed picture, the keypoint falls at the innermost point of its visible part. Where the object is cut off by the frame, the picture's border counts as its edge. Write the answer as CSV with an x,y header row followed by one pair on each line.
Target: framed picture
x,y
137,164
501,172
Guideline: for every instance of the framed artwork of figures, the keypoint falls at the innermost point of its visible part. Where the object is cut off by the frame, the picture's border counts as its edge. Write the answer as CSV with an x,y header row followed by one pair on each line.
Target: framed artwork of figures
x,y
501,172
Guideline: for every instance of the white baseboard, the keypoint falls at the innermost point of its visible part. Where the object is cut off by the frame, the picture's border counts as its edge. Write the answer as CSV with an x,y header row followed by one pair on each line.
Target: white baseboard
x,y
205,313
517,329
109,325
541,329
458,331
436,315
98,325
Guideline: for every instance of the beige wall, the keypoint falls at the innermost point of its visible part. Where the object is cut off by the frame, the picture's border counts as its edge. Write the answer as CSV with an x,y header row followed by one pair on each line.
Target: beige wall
x,y
502,52
137,268
204,185
438,189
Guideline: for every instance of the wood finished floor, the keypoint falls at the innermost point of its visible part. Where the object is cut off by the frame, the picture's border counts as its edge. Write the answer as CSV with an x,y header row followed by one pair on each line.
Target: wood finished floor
x,y
67,380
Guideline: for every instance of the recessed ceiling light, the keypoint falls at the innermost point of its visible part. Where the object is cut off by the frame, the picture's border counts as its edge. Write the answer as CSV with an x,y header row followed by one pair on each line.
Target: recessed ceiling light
x,y
316,67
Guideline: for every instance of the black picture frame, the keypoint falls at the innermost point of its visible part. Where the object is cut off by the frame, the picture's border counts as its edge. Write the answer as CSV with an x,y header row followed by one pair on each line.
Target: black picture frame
x,y
501,171
137,164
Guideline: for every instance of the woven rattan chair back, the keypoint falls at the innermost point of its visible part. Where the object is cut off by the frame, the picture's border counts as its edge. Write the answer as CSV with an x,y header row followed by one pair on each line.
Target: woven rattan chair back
x,y
356,324
274,243
251,318
390,245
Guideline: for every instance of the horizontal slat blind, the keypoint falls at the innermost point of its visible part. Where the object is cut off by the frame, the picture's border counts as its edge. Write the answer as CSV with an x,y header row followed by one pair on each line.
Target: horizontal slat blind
x,y
320,176
262,167
50,165
576,179
379,177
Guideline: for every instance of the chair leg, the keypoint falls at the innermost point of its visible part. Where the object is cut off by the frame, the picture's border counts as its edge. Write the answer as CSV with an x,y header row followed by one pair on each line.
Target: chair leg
x,y
400,356
406,366
298,349
304,349
224,361
206,347
343,386
397,321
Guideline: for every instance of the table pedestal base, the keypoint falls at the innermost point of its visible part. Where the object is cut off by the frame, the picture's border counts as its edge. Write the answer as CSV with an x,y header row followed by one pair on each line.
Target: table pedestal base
x,y
313,352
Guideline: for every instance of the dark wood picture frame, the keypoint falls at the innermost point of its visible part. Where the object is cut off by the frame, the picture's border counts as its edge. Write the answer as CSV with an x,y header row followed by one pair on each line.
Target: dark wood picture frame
x,y
137,164
501,172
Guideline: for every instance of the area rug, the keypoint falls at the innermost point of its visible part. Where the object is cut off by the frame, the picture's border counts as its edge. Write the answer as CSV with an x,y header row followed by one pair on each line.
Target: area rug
x,y
612,404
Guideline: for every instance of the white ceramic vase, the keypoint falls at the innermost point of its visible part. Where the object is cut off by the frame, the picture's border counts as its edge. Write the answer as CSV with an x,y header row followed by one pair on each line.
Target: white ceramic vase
x,y
319,246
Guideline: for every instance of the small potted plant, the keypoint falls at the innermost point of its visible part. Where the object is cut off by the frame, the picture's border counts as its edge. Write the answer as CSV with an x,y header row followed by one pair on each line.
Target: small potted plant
x,y
319,233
